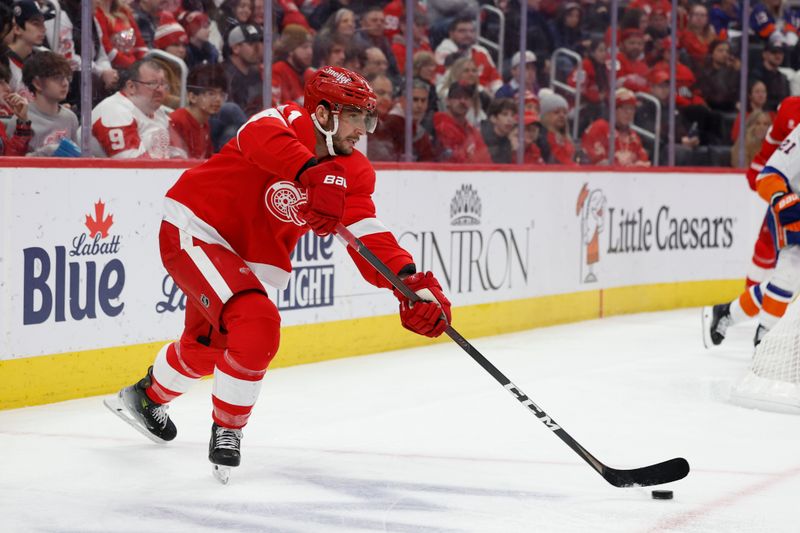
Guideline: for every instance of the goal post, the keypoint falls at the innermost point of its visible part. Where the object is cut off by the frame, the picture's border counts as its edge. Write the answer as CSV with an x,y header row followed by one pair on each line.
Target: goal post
x,y
773,381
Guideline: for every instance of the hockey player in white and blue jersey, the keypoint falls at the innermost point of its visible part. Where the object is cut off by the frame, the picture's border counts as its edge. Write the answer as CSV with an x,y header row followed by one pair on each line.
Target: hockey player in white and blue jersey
x,y
778,183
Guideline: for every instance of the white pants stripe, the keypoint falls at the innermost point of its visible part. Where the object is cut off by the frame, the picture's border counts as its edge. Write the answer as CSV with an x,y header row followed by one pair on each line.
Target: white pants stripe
x,y
168,377
206,267
235,391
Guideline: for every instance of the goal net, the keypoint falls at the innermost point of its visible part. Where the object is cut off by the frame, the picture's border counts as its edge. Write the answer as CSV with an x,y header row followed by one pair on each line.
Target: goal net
x,y
773,381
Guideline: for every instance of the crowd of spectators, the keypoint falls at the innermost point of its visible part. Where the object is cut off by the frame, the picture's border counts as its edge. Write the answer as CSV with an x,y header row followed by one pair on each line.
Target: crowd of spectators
x,y
177,78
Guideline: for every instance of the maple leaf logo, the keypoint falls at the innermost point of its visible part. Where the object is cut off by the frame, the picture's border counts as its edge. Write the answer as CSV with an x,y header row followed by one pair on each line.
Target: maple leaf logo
x,y
99,224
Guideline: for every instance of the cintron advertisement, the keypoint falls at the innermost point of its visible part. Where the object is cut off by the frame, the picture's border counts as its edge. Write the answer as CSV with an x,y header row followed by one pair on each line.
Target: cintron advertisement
x,y
83,285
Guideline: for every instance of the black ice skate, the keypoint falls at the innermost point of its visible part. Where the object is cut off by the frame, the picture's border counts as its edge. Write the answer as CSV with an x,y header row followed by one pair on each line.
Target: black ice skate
x,y
133,406
715,324
223,451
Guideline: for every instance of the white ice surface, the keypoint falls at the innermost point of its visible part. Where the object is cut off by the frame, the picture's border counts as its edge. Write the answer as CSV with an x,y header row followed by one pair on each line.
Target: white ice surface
x,y
425,440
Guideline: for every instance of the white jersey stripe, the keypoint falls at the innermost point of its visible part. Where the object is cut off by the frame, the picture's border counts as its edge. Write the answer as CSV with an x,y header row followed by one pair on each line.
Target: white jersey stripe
x,y
367,226
235,391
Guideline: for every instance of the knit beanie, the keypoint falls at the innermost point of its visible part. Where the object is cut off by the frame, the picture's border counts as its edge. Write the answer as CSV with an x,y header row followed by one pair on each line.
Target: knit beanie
x,y
193,21
169,32
293,36
550,101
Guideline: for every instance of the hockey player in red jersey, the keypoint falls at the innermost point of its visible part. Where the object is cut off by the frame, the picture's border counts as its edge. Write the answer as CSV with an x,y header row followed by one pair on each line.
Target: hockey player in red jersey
x,y
764,253
229,227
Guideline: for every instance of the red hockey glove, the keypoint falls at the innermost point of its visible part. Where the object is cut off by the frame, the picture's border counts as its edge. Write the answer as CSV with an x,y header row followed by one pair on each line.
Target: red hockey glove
x,y
325,185
752,175
429,317
786,209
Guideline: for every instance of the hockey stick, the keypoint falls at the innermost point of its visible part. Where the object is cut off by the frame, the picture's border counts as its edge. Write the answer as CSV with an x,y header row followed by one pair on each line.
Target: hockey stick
x,y
656,474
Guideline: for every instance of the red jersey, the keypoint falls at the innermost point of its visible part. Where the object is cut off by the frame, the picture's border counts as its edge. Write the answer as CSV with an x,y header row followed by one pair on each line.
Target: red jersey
x,y
187,133
464,141
289,82
120,37
562,148
246,199
785,121
632,74
628,149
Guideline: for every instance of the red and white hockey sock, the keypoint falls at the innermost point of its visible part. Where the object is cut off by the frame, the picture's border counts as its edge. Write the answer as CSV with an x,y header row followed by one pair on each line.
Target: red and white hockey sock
x,y
171,376
253,326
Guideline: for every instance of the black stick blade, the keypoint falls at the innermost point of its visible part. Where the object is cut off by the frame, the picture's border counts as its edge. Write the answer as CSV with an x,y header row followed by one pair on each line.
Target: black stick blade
x,y
657,474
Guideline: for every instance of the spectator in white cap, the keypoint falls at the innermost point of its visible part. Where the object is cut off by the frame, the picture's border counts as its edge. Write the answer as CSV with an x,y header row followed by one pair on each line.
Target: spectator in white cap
x,y
553,111
244,45
511,88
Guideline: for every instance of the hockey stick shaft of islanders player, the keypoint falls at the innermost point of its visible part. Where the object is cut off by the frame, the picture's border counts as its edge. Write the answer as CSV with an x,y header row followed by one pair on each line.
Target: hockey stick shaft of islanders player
x,y
656,474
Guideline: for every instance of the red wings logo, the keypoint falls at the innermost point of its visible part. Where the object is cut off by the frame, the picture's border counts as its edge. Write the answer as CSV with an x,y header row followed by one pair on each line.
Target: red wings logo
x,y
283,200
99,224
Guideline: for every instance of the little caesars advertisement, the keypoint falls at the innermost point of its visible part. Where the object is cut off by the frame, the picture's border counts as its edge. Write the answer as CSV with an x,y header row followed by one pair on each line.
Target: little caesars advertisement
x,y
81,268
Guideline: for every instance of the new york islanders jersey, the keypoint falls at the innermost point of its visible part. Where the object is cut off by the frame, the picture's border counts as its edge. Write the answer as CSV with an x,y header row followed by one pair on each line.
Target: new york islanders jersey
x,y
246,198
785,121
782,171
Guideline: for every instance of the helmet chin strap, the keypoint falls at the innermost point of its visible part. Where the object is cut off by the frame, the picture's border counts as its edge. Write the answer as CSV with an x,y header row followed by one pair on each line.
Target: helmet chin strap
x,y
328,134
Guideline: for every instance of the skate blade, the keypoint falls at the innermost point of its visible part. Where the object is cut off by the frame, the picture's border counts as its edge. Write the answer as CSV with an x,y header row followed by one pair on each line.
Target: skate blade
x,y
706,315
222,473
115,405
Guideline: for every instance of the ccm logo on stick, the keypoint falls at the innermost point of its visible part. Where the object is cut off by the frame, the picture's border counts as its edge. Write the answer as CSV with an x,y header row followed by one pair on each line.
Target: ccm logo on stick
x,y
330,179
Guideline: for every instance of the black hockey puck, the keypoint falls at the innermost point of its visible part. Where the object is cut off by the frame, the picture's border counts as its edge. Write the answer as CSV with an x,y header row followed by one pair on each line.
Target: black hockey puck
x,y
662,494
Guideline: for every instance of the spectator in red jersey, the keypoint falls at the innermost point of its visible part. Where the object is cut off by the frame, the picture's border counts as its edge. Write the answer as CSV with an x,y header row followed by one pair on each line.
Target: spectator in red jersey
x,y
554,119
697,36
120,35
17,144
510,89
633,69
206,91
497,128
756,101
463,40
719,78
755,130
293,54
457,140
329,51
628,149
532,154
419,36
393,17
687,90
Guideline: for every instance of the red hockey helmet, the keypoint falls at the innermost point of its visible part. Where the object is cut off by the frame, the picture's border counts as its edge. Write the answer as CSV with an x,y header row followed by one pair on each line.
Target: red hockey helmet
x,y
339,87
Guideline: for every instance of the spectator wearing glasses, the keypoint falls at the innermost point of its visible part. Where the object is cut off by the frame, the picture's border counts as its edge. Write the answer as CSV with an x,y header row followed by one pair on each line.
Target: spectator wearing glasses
x,y
132,123
47,75
206,89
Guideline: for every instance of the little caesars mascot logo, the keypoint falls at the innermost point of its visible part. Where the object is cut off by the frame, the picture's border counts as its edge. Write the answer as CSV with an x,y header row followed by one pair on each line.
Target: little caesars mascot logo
x,y
283,200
